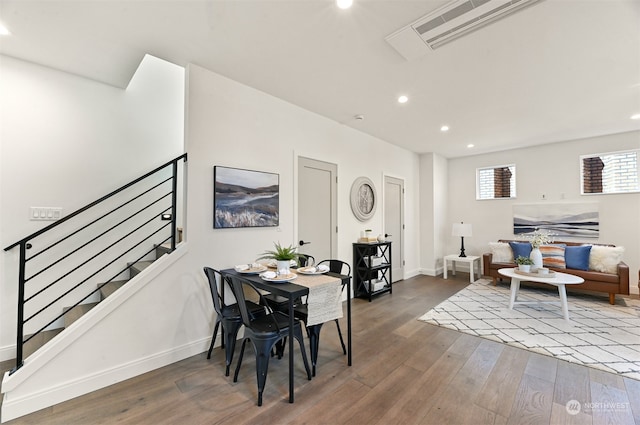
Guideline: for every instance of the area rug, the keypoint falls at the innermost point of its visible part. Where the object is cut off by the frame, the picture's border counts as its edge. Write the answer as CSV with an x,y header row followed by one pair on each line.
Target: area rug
x,y
599,335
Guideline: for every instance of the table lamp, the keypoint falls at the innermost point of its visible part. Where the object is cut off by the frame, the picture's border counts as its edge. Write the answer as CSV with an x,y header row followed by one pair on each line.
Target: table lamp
x,y
462,230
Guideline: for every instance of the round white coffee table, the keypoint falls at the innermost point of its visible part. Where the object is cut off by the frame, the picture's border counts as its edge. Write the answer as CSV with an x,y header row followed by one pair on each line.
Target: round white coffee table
x,y
559,280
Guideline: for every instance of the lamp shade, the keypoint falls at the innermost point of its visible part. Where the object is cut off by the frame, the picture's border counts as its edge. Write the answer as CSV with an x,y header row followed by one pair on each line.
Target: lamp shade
x,y
462,229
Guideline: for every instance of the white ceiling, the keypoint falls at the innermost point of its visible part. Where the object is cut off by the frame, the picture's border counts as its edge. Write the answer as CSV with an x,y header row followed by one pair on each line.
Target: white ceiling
x,y
555,71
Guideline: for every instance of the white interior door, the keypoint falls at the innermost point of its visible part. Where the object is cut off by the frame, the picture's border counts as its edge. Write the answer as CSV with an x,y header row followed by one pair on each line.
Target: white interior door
x,y
394,223
317,208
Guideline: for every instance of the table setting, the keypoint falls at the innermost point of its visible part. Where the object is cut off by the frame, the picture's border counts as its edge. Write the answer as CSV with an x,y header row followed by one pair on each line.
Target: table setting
x,y
251,268
322,288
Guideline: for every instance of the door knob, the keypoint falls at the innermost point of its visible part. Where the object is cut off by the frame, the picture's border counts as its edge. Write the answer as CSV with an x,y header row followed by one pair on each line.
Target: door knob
x,y
386,235
303,242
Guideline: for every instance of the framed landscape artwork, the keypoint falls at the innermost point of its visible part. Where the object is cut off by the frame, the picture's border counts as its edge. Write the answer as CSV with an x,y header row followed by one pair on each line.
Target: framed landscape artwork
x,y
573,220
245,198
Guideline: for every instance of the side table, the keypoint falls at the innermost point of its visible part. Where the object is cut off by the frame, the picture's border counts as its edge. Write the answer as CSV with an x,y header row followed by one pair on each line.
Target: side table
x,y
469,259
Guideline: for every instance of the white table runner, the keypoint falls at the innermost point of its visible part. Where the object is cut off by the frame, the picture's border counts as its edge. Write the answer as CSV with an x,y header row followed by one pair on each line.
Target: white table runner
x,y
324,299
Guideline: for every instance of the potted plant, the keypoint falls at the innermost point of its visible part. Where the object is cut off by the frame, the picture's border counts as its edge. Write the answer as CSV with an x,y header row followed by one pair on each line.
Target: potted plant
x,y
282,255
524,263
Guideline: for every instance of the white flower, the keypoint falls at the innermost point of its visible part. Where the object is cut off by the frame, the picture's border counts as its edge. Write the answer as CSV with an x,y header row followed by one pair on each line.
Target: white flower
x,y
540,237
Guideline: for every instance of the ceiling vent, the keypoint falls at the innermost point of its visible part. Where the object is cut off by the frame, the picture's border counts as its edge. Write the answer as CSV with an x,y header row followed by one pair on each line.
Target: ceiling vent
x,y
449,22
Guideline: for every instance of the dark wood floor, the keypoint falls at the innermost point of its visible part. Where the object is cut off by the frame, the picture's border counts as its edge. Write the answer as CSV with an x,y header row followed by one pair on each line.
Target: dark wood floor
x,y
404,372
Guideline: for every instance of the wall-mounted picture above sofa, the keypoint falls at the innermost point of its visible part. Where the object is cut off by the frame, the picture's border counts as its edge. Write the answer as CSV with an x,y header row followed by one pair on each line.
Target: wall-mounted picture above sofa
x,y
580,220
245,198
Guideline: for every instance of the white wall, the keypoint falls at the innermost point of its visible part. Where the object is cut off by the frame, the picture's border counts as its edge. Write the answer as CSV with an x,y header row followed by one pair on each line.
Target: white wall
x,y
555,171
66,141
234,125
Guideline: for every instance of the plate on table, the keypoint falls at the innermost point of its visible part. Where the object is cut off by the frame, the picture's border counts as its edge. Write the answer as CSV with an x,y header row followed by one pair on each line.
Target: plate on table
x,y
274,277
272,264
250,268
313,270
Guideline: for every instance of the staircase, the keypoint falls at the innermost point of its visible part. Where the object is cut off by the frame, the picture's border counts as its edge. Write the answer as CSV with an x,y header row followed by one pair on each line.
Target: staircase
x,y
67,268
73,314
63,263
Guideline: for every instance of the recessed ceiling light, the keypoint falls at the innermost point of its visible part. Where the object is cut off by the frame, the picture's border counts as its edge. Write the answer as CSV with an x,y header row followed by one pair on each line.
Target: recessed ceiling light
x,y
403,99
444,128
635,117
344,4
470,145
4,30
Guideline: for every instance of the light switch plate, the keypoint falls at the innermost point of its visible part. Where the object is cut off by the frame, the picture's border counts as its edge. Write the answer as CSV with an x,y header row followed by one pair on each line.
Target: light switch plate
x,y
45,213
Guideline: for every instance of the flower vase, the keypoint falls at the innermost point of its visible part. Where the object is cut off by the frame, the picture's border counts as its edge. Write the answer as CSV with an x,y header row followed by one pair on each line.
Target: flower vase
x,y
283,267
536,257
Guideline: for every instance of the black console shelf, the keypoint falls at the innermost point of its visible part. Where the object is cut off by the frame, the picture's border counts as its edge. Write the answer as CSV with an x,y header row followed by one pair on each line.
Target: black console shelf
x,y
370,280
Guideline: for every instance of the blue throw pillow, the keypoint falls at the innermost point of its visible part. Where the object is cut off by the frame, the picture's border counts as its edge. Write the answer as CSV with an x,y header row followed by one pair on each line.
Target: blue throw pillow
x,y
520,249
577,257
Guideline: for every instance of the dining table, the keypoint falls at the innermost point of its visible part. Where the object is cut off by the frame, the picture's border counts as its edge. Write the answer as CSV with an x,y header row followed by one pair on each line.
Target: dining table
x,y
320,291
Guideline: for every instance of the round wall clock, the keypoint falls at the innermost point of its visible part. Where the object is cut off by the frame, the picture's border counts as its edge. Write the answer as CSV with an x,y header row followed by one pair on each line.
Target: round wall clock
x,y
363,198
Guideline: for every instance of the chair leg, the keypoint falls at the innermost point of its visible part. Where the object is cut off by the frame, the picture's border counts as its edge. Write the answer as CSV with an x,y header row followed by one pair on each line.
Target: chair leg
x,y
344,348
279,348
213,338
262,350
262,367
298,335
235,375
230,335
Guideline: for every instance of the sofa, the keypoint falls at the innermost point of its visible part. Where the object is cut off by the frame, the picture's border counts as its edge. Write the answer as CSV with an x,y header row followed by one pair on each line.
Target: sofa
x,y
600,265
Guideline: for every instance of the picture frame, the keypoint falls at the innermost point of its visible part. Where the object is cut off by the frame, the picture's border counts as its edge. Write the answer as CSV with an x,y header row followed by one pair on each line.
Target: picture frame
x,y
580,220
245,198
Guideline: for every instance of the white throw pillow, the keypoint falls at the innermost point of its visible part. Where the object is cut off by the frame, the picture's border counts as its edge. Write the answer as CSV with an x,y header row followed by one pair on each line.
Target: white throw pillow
x,y
501,251
605,259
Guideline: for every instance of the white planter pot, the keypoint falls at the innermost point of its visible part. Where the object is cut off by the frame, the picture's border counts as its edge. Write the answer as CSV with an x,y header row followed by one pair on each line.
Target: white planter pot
x,y
524,268
283,266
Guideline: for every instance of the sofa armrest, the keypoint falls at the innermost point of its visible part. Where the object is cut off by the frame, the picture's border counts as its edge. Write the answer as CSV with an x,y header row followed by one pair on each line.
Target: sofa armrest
x,y
623,273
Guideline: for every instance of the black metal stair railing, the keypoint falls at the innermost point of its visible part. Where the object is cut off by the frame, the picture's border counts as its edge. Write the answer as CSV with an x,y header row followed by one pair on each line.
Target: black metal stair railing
x,y
77,255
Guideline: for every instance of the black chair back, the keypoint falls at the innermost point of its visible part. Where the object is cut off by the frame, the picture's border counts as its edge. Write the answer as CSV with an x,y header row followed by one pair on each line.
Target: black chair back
x,y
243,291
214,276
306,260
337,266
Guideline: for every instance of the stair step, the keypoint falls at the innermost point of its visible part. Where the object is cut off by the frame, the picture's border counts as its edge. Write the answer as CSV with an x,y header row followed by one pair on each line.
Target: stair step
x,y
139,266
162,249
76,313
38,341
110,288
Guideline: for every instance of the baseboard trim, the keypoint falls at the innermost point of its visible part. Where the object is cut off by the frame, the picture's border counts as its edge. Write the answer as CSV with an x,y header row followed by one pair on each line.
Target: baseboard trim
x,y
14,407
411,273
429,272
7,352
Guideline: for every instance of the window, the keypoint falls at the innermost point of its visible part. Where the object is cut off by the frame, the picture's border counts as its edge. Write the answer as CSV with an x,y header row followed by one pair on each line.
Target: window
x,y
613,172
496,182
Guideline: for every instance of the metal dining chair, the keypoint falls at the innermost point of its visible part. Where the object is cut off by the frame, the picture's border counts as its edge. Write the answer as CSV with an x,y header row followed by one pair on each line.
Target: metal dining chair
x,y
227,315
263,332
301,311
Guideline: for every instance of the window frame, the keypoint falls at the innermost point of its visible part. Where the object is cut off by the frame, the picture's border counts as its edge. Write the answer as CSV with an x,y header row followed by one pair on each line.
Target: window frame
x,y
512,190
599,155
